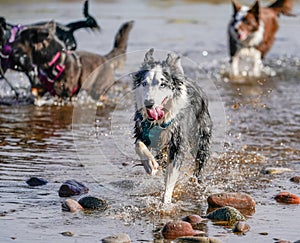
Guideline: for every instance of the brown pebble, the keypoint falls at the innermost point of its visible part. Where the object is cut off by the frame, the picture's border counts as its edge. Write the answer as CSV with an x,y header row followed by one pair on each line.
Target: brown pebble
x,y
71,205
241,227
175,229
193,219
295,179
287,197
232,199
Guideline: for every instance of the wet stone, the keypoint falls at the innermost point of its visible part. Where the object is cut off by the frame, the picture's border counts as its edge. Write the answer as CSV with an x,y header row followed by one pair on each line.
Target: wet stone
x,y
71,188
193,219
93,203
232,199
287,197
295,179
226,214
241,227
178,228
119,238
35,181
67,233
276,170
196,239
70,205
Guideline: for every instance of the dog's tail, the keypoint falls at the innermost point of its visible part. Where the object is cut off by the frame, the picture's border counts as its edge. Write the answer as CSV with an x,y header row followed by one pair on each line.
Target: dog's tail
x,y
120,45
89,22
283,7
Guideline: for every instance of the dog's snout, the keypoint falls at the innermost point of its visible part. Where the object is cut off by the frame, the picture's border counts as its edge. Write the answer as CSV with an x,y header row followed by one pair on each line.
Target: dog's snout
x,y
149,103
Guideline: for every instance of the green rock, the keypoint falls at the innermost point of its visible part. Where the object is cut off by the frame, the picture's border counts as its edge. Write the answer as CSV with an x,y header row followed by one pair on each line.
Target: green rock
x,y
226,214
93,203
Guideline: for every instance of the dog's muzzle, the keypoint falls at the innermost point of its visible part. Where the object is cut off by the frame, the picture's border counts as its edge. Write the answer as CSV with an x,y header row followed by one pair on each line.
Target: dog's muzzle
x,y
154,112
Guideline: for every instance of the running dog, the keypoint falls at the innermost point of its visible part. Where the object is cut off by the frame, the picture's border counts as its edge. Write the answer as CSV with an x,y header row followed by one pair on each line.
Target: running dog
x,y
21,63
171,118
63,72
252,32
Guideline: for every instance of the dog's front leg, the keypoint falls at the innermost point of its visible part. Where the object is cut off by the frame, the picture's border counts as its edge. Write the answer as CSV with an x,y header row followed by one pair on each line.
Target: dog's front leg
x,y
148,160
235,65
257,66
171,178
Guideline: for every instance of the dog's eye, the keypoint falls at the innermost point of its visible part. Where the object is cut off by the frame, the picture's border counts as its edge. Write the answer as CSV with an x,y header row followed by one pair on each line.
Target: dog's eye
x,y
144,83
163,85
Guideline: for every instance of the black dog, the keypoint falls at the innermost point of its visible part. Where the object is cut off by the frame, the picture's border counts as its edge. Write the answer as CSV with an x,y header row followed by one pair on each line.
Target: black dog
x,y
20,61
171,118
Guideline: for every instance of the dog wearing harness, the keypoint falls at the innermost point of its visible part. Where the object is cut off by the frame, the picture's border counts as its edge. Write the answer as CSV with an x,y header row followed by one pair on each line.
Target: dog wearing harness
x,y
19,61
171,118
63,72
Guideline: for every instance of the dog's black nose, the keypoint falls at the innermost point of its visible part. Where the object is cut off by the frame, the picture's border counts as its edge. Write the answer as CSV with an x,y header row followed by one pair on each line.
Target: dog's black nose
x,y
149,103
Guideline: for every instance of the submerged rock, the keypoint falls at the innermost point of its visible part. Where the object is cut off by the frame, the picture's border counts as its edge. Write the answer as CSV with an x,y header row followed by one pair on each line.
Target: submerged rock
x,y
287,197
119,238
71,188
232,199
241,227
175,229
193,219
197,239
276,170
295,179
71,205
35,181
226,214
93,203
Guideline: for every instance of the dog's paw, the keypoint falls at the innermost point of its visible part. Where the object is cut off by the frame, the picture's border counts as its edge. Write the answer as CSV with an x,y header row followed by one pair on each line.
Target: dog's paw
x,y
151,166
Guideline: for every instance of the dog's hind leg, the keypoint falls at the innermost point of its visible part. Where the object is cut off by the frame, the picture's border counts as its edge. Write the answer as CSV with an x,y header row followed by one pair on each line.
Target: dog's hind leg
x,y
148,160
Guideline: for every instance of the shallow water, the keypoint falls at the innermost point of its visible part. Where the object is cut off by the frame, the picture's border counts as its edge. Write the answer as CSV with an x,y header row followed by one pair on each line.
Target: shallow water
x,y
256,125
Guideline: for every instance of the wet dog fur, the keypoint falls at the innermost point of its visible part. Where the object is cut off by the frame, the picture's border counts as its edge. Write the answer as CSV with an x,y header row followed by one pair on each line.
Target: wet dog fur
x,y
252,32
20,62
172,110
41,45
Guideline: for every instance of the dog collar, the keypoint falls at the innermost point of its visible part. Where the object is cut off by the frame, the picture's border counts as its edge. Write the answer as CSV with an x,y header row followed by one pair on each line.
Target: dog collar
x,y
147,125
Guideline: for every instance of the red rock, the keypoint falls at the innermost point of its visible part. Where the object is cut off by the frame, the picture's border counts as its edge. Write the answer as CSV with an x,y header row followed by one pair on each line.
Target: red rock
x,y
287,197
175,229
232,199
193,219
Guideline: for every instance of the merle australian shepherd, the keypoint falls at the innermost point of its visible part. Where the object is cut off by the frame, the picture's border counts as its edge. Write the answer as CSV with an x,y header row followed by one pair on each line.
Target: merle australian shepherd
x,y
171,118
252,32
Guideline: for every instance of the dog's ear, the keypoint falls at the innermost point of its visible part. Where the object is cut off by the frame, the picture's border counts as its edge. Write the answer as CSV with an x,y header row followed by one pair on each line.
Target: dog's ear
x,y
149,56
236,6
174,61
255,9
3,23
51,26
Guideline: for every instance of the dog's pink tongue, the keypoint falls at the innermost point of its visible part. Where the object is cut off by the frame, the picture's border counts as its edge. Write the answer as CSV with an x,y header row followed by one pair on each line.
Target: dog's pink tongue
x,y
155,113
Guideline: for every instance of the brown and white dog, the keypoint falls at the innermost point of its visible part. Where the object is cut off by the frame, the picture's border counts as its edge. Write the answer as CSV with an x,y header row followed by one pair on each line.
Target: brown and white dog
x,y
63,72
252,32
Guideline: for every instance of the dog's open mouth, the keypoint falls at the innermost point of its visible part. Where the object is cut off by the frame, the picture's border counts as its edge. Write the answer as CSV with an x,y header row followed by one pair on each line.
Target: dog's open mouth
x,y
157,112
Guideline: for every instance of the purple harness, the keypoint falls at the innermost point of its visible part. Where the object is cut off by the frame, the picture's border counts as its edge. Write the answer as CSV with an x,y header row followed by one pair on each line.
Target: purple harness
x,y
6,50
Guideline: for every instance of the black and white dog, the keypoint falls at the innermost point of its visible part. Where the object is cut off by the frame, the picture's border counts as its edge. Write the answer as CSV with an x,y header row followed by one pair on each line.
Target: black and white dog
x,y
171,117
